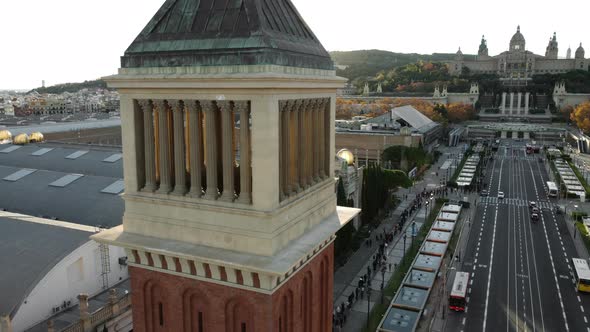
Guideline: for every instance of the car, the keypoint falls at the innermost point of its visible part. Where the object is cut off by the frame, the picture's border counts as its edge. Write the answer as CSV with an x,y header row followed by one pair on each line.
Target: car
x,y
535,211
501,195
483,193
534,217
532,204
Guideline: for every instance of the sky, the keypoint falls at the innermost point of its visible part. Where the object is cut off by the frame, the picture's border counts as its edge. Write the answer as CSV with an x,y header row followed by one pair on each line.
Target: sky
x,y
62,41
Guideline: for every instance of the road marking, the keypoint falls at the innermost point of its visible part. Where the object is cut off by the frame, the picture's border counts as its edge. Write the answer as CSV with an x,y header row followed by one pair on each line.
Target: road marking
x,y
579,299
485,318
463,321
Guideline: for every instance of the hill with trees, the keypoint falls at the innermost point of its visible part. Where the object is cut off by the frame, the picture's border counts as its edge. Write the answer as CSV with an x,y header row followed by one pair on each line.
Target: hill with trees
x,y
72,87
367,63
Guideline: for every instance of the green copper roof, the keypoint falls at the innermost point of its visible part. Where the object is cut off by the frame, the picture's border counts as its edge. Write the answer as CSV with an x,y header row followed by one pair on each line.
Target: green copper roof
x,y
226,32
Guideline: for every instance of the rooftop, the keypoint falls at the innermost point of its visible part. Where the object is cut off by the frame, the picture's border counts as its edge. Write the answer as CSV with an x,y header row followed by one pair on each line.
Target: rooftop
x,y
39,180
30,247
186,33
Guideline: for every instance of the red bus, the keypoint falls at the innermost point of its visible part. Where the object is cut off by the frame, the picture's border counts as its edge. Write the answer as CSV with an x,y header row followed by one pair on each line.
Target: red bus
x,y
529,149
457,300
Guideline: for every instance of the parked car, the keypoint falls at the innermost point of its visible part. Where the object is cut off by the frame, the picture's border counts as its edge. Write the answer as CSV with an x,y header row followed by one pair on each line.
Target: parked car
x,y
501,195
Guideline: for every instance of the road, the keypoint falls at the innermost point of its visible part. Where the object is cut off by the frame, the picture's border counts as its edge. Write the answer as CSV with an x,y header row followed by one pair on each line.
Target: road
x,y
522,277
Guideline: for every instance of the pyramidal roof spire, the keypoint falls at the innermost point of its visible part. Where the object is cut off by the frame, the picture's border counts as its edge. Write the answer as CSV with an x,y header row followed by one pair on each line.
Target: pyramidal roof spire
x,y
225,33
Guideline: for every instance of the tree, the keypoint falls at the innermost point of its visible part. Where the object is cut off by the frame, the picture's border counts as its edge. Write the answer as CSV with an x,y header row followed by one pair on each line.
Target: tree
x,y
581,116
459,112
566,112
341,194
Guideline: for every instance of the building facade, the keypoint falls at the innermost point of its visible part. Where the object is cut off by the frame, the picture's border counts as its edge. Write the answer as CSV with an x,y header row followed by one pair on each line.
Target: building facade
x,y
225,236
517,65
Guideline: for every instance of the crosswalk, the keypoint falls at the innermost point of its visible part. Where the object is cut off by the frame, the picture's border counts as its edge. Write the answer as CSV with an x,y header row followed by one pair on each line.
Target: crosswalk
x,y
519,157
515,202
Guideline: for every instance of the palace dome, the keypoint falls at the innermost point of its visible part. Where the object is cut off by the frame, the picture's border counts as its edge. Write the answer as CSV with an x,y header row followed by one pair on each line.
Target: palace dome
x,y
21,139
36,137
5,135
517,42
346,155
580,52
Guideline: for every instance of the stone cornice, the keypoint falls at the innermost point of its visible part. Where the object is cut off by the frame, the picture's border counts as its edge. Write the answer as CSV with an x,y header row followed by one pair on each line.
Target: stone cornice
x,y
220,273
169,255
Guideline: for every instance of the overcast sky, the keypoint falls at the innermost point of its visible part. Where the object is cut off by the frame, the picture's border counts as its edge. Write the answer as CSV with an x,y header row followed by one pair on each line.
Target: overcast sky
x,y
75,40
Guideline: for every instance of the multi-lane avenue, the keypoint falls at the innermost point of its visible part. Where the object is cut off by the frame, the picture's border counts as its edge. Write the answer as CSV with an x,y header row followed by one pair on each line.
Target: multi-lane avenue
x,y
521,271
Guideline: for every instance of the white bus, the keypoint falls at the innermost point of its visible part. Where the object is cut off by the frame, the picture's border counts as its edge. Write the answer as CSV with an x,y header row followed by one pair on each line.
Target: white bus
x,y
457,300
552,189
582,274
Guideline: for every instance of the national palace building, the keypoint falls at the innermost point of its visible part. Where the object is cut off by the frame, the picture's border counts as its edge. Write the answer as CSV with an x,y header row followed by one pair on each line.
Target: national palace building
x,y
517,65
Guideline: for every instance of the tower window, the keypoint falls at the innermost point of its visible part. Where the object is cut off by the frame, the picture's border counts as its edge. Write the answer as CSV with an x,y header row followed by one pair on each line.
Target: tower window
x,y
243,327
200,328
161,313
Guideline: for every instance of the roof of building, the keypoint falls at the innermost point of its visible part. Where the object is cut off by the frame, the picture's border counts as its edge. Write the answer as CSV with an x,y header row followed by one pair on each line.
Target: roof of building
x,y
63,183
517,38
221,32
47,128
29,248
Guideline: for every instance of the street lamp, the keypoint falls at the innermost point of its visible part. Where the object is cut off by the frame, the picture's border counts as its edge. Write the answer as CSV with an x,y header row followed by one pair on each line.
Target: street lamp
x,y
413,233
405,235
368,305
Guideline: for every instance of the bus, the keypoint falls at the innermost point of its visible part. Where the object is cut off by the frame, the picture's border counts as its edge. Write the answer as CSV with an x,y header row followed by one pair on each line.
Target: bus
x,y
552,189
582,274
529,149
457,300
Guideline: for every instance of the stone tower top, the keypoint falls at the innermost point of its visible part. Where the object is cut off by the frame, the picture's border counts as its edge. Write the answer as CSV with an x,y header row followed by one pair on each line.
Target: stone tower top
x,y
517,43
221,32
483,47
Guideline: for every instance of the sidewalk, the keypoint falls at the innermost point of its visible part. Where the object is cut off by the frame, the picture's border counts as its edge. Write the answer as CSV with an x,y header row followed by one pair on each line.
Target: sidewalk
x,y
346,277
575,234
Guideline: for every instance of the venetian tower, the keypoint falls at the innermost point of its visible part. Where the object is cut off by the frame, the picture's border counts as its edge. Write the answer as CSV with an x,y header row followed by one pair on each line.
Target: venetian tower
x,y
228,115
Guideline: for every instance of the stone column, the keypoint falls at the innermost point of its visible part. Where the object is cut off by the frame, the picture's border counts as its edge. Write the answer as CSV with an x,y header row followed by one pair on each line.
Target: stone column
x,y
245,152
84,314
296,147
511,103
322,138
309,141
227,140
114,301
519,103
316,140
301,145
164,142
147,108
210,109
179,149
195,146
285,152
527,97
503,103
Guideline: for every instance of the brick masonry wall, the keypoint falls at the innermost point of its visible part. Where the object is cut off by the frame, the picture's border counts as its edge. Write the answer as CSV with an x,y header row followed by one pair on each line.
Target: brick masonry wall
x,y
165,302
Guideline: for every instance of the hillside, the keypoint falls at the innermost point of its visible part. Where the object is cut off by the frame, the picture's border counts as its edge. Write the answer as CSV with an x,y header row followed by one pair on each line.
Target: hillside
x,y
367,63
72,87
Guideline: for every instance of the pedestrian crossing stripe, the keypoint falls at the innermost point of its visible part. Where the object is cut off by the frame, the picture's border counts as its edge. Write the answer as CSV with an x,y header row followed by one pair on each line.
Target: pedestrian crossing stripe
x,y
515,202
